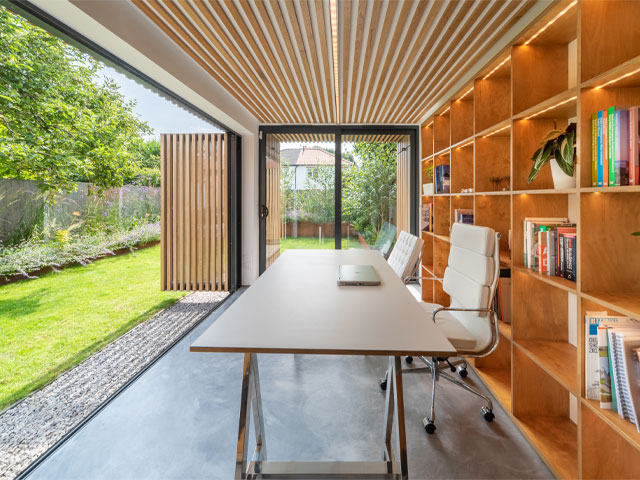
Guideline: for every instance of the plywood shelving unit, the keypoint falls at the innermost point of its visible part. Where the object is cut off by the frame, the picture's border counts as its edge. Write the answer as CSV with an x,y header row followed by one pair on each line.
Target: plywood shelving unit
x,y
576,59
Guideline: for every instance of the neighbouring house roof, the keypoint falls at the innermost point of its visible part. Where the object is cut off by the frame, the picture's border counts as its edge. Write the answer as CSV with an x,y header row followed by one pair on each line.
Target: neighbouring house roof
x,y
309,156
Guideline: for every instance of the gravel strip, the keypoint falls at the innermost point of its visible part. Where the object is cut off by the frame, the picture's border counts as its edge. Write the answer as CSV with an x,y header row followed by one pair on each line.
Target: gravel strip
x,y
31,426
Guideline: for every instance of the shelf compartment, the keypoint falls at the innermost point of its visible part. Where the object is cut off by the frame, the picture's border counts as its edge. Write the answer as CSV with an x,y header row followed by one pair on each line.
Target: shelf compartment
x,y
563,105
593,100
461,119
607,449
610,35
505,329
439,295
559,25
525,205
624,303
498,381
541,407
492,99
440,257
540,72
610,264
529,135
441,131
461,168
427,290
559,282
495,211
460,202
426,139
558,359
493,163
441,218
427,250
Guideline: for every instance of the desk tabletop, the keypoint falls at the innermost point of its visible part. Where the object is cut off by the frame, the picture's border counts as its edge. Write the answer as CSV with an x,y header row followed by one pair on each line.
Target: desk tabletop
x,y
296,306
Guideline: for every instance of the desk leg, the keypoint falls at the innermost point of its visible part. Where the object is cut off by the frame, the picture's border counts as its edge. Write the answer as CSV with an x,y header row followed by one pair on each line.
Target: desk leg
x,y
399,404
250,399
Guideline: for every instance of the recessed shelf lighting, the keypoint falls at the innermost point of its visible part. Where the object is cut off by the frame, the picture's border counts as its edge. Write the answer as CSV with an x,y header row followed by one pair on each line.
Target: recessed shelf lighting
x,y
445,111
497,131
497,67
572,4
551,107
465,94
618,78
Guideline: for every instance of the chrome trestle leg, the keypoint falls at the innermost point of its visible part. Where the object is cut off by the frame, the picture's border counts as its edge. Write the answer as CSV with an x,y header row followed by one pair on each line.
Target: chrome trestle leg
x,y
429,422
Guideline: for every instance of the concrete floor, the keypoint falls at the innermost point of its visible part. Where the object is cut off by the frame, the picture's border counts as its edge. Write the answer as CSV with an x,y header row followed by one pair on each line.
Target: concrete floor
x,y
179,420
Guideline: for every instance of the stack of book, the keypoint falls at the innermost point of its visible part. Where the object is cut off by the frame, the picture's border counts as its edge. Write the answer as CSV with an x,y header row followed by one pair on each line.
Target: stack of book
x,y
612,367
442,178
463,215
426,221
550,247
614,147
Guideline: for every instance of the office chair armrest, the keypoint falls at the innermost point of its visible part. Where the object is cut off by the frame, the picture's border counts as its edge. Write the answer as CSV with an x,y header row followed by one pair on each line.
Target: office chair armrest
x,y
495,333
409,278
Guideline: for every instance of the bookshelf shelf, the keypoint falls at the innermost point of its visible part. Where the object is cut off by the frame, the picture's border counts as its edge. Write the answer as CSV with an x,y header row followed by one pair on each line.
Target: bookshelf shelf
x,y
586,60
558,359
559,282
623,427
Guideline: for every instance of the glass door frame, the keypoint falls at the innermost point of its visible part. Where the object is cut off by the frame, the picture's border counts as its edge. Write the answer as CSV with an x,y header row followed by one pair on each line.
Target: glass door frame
x,y
337,131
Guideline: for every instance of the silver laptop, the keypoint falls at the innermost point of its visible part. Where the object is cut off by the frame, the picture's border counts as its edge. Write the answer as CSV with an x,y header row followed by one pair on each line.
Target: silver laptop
x,y
357,275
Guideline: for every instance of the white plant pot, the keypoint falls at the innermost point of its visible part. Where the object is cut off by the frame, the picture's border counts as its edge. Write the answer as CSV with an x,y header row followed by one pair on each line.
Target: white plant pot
x,y
561,180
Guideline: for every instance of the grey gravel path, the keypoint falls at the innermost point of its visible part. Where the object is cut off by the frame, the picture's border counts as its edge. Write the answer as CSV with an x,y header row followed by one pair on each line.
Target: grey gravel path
x,y
30,427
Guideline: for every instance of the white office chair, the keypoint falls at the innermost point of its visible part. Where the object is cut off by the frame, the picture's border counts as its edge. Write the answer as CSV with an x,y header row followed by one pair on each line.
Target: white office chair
x,y
406,255
469,323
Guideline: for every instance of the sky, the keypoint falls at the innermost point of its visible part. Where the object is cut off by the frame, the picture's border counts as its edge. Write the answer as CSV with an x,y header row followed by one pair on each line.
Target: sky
x,y
161,115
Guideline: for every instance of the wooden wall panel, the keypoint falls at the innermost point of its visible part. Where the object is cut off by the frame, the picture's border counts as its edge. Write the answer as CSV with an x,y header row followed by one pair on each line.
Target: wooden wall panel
x,y
194,212
273,200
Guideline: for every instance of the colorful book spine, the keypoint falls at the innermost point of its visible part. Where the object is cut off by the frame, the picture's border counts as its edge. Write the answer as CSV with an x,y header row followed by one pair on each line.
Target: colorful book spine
x,y
551,252
594,150
634,163
622,147
600,138
604,370
612,377
611,136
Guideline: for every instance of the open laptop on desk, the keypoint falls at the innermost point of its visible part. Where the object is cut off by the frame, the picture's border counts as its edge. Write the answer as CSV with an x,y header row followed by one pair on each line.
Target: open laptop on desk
x,y
357,275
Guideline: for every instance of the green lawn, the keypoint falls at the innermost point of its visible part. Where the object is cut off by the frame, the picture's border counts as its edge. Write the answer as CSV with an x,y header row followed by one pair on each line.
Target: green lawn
x,y
312,243
52,323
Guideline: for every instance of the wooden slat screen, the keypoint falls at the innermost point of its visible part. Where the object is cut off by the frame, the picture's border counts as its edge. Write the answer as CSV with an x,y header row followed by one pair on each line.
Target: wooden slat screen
x,y
274,224
403,200
194,212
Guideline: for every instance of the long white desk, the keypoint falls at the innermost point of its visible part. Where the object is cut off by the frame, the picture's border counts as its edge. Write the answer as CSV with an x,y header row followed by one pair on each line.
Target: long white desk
x,y
297,307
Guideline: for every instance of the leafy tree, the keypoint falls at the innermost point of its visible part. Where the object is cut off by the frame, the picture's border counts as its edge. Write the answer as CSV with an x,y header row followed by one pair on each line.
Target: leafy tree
x,y
369,188
57,125
146,160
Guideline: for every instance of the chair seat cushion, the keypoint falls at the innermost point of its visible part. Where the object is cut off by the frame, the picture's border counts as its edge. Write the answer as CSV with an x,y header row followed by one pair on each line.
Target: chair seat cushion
x,y
455,332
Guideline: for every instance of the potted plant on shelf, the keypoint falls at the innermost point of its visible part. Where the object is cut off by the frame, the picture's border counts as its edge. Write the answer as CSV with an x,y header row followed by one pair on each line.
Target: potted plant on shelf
x,y
560,145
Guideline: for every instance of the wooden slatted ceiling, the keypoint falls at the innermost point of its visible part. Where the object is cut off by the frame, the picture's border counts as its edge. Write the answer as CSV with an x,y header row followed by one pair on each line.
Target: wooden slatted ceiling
x,y
327,137
395,58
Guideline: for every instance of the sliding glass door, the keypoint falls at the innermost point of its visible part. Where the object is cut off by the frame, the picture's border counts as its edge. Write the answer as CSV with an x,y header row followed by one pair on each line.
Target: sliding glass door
x,y
300,206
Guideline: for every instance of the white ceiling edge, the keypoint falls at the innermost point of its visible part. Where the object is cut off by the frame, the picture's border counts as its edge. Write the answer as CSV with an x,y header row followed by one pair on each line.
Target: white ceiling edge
x,y
123,30
507,39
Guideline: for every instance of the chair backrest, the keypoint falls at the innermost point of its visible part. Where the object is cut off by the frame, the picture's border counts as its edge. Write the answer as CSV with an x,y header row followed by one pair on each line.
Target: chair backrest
x,y
405,254
471,277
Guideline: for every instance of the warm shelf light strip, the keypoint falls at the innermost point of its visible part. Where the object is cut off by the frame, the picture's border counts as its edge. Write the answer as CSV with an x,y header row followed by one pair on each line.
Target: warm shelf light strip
x,y
446,110
333,10
497,131
466,93
466,144
619,78
571,5
497,67
551,107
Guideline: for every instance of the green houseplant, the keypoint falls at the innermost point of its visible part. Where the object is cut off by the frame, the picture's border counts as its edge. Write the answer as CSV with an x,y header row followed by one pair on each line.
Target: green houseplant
x,y
560,145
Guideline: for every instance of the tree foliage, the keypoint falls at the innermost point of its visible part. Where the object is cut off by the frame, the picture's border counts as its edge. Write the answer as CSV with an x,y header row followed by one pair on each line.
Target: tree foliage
x,y
57,124
369,188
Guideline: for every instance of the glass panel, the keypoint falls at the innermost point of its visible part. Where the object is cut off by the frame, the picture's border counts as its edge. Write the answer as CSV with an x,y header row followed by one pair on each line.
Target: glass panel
x,y
369,191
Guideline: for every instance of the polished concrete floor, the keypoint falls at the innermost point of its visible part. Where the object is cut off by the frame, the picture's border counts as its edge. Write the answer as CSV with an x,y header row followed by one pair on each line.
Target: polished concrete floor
x,y
179,421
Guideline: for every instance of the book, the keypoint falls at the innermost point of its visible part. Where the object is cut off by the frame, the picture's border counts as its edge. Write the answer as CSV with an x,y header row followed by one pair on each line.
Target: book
x,y
605,148
611,137
531,227
543,260
599,153
631,362
442,178
620,335
621,155
604,370
594,150
570,256
463,215
551,252
634,151
593,320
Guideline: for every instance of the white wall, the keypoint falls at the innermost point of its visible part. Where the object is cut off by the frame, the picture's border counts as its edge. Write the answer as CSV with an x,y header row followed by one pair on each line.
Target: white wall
x,y
120,28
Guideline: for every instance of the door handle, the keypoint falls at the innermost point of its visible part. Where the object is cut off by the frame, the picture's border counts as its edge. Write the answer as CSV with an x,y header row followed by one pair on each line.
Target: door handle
x,y
264,212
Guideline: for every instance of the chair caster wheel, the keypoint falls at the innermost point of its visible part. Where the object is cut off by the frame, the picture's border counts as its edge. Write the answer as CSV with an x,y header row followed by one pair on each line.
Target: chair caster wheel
x,y
488,414
409,360
453,369
463,372
429,426
383,384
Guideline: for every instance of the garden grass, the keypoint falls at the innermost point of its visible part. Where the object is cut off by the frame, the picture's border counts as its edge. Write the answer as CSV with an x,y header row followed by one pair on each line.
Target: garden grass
x,y
312,243
52,323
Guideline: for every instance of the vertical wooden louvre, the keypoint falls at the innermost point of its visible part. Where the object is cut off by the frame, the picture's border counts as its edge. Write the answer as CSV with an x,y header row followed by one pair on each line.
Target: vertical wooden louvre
x,y
273,200
403,192
194,212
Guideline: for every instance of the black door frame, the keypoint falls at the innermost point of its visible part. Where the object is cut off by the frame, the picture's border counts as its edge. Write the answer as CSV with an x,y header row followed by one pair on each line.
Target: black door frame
x,y
337,131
